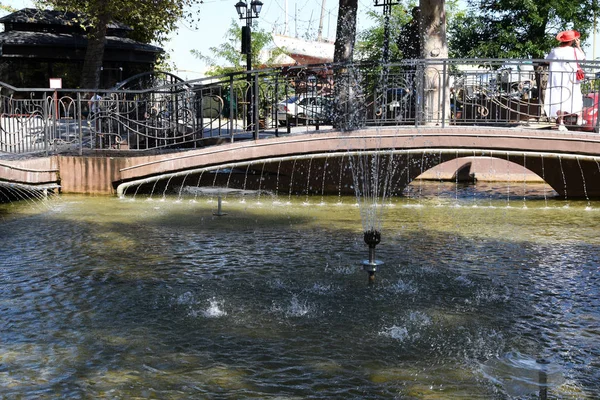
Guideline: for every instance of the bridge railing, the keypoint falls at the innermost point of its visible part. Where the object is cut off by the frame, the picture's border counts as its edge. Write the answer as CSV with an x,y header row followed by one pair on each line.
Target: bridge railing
x,y
146,113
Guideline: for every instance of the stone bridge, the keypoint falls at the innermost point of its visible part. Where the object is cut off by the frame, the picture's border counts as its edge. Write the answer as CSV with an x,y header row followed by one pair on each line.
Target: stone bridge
x,y
568,161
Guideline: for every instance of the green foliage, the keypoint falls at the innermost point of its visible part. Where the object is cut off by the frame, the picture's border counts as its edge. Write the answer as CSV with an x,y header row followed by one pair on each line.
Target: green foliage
x,y
369,46
164,63
516,28
226,57
7,8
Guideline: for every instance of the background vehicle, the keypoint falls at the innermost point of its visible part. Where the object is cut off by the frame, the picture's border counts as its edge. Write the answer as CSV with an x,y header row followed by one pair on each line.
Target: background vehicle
x,y
590,121
590,112
299,110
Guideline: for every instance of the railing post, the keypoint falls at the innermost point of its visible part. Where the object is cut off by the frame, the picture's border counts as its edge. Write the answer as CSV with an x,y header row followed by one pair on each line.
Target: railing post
x,y
255,102
46,117
231,102
55,119
79,123
419,72
118,126
288,128
200,104
445,88
275,108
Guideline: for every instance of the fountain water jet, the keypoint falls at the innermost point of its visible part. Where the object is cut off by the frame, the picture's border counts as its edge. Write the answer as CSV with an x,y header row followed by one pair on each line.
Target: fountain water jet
x,y
373,179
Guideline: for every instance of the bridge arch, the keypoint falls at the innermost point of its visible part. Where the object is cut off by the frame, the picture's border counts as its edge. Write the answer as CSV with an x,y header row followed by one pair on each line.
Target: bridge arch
x,y
569,163
331,173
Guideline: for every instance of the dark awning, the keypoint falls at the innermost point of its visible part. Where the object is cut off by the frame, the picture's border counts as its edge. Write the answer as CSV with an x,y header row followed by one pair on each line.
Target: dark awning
x,y
49,18
20,44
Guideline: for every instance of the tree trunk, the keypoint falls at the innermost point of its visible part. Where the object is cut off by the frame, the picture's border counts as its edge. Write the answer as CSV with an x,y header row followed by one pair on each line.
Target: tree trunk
x,y
347,108
94,55
435,47
345,31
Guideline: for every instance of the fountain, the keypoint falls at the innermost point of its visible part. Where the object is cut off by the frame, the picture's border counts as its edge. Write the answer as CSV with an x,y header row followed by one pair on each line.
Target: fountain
x,y
488,291
153,293
10,192
156,295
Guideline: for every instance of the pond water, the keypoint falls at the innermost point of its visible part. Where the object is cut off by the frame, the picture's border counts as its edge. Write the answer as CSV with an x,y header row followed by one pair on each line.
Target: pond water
x,y
485,293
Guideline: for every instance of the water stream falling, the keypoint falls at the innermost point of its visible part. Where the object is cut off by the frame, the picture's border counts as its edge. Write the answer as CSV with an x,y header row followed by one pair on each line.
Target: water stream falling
x,y
508,177
562,171
308,183
583,181
524,181
543,178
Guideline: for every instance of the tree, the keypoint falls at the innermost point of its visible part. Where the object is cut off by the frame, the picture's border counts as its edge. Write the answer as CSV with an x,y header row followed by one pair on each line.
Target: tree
x,y
370,41
434,46
345,31
369,46
227,57
151,21
517,29
4,7
432,43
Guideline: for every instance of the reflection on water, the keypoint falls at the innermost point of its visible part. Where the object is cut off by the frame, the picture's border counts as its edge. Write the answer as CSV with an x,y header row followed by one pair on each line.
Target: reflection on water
x,y
120,298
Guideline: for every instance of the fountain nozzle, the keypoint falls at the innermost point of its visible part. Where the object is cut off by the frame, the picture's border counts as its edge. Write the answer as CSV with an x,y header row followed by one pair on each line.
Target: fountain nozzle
x,y
372,238
219,213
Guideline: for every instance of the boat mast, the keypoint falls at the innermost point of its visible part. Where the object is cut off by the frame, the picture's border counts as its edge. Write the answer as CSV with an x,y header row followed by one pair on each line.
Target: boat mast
x,y
285,25
320,31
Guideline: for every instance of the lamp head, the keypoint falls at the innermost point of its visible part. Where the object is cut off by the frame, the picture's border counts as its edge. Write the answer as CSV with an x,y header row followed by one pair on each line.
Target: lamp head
x,y
241,7
256,6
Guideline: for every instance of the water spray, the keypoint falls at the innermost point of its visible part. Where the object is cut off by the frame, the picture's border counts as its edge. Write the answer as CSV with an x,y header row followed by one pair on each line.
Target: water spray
x,y
372,238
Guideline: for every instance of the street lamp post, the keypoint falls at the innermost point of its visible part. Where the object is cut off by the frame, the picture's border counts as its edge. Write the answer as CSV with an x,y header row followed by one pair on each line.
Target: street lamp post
x,y
248,14
387,10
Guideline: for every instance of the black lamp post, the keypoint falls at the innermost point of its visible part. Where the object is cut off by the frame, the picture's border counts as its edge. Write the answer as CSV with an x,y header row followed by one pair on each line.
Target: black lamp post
x,y
248,14
387,10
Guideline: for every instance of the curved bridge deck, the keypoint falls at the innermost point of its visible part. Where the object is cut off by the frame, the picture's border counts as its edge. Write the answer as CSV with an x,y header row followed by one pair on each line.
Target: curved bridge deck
x,y
559,158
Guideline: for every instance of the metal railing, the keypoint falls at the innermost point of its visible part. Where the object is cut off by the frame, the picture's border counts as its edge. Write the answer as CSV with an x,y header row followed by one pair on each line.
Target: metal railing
x,y
150,112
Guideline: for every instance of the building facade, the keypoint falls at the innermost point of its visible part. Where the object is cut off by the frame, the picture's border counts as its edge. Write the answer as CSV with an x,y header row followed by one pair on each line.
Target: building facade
x,y
38,45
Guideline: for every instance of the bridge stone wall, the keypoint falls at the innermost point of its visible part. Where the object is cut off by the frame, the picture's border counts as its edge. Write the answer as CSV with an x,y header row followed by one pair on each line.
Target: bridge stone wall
x,y
90,174
32,171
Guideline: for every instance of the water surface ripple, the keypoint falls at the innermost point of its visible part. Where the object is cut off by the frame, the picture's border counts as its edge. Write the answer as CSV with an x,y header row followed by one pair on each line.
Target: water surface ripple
x,y
119,298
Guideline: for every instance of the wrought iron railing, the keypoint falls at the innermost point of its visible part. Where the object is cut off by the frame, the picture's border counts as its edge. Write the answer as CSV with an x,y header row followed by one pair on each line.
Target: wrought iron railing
x,y
159,110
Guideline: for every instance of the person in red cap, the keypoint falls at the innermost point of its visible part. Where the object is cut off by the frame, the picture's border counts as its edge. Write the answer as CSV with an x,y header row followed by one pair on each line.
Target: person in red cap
x,y
563,93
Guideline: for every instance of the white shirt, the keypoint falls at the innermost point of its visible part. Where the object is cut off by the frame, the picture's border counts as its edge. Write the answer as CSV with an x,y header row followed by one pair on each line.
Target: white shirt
x,y
564,91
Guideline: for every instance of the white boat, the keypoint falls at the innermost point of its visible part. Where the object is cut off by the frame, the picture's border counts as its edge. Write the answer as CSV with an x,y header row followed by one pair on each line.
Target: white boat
x,y
305,51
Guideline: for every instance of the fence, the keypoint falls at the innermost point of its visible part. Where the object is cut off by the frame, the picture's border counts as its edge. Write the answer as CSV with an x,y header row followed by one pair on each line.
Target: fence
x,y
158,110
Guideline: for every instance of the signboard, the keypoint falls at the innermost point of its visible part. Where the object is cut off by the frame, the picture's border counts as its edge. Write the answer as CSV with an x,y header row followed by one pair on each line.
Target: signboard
x,y
55,83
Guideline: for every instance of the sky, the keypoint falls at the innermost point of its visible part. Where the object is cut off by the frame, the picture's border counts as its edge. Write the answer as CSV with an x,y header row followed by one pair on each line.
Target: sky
x,y
216,17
